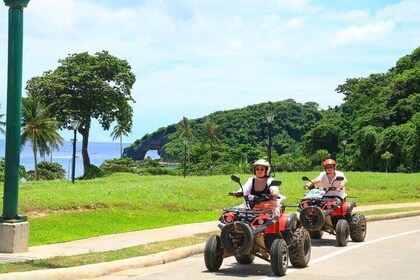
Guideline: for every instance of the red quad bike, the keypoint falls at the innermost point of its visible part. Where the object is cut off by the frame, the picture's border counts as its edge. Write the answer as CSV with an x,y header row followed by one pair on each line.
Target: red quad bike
x,y
258,230
329,211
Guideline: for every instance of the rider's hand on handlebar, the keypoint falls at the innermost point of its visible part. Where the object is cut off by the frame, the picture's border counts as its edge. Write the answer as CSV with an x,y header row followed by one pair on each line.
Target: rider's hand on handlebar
x,y
236,194
308,186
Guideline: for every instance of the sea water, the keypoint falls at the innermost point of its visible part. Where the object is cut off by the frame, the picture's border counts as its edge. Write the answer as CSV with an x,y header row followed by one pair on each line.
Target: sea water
x,y
98,153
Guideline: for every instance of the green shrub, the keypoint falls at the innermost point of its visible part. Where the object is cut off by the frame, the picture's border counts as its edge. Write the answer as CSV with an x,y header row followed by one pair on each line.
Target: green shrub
x,y
94,172
119,165
47,171
22,170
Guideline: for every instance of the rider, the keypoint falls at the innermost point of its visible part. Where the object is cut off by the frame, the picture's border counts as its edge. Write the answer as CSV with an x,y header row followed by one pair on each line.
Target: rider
x,y
261,182
327,176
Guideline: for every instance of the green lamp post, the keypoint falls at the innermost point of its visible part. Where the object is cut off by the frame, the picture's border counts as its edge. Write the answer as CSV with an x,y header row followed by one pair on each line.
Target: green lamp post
x,y
13,226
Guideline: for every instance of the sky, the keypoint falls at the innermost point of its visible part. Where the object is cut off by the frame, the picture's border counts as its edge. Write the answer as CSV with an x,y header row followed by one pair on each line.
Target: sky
x,y
194,57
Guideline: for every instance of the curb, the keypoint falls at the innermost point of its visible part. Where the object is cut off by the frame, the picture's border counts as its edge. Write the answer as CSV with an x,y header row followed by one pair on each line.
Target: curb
x,y
392,216
102,269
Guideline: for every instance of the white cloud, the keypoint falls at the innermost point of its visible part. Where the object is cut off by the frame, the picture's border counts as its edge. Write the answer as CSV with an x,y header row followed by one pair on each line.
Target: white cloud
x,y
356,34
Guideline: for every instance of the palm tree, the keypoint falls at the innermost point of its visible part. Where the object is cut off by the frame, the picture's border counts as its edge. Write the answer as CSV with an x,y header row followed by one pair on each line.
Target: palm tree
x,y
38,128
118,132
211,135
184,127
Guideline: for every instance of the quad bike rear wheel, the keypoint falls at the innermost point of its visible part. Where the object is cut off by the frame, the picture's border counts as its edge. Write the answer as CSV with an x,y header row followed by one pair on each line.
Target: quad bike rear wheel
x,y
358,227
342,232
312,218
300,249
245,259
237,238
213,253
279,257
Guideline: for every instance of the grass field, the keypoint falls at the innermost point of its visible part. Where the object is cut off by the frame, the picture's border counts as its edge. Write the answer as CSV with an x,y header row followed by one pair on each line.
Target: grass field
x,y
59,211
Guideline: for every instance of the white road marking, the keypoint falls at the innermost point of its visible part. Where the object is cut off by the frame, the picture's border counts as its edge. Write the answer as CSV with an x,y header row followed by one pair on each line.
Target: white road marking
x,y
346,249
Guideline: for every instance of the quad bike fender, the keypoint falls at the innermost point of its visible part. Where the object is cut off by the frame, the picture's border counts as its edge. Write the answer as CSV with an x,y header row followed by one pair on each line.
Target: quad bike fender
x,y
346,208
283,221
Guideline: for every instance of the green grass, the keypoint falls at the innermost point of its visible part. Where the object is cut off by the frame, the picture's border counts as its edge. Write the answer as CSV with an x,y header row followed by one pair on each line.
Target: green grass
x,y
59,211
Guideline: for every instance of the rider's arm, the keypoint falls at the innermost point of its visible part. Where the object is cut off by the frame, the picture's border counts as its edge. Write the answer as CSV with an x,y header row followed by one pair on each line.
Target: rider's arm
x,y
342,184
311,185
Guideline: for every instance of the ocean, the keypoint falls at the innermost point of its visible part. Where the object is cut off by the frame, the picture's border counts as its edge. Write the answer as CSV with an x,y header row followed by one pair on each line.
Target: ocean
x,y
98,153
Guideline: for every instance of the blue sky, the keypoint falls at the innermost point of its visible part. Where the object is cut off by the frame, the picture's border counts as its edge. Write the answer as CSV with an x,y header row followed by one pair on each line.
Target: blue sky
x,y
192,58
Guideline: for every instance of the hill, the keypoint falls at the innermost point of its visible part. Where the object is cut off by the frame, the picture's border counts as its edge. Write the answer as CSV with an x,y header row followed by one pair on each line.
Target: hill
x,y
377,128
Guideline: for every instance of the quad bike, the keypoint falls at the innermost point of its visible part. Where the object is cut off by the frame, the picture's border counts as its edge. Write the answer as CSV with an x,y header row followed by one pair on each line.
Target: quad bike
x,y
329,211
256,229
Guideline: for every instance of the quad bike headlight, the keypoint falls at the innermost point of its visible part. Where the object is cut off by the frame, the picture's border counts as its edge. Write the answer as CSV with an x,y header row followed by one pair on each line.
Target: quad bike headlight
x,y
228,219
260,221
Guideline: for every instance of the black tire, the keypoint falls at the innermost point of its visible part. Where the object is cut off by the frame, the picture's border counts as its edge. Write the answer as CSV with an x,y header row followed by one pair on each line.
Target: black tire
x,y
291,226
316,234
279,257
300,249
237,239
213,253
358,227
312,218
342,232
245,259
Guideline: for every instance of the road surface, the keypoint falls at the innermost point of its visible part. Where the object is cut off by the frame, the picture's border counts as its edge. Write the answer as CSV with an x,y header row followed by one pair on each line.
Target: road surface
x,y
390,251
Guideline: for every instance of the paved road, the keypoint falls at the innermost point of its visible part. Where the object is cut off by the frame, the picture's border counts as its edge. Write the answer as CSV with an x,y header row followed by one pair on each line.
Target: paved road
x,y
390,251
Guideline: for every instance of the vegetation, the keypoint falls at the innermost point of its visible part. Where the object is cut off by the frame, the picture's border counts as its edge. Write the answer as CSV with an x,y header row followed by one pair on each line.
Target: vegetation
x,y
377,128
87,86
39,129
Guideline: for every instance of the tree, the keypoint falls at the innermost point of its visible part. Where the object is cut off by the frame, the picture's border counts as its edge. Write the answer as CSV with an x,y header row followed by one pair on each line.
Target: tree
x,y
85,87
210,133
119,132
387,156
38,128
184,128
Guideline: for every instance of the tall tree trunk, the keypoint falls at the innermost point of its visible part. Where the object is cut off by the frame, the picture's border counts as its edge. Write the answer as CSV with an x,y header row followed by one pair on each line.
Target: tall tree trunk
x,y
34,150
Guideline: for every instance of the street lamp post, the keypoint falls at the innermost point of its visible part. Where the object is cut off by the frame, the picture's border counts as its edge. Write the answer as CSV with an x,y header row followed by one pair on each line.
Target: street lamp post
x,y
14,228
270,118
75,125
344,142
185,156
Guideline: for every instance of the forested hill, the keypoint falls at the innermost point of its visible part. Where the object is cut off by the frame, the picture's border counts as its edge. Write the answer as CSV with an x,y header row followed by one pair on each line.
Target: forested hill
x,y
377,128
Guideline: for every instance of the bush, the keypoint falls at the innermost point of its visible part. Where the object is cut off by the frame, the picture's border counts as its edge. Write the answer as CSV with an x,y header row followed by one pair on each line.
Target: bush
x,y
22,170
94,172
47,171
120,165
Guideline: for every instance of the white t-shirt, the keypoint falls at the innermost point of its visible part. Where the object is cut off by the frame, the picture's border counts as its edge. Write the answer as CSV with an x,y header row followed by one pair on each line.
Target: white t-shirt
x,y
248,186
325,183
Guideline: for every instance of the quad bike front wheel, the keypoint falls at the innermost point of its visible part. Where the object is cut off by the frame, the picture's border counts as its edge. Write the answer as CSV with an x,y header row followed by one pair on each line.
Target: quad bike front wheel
x,y
300,249
237,238
342,232
279,257
358,227
213,253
